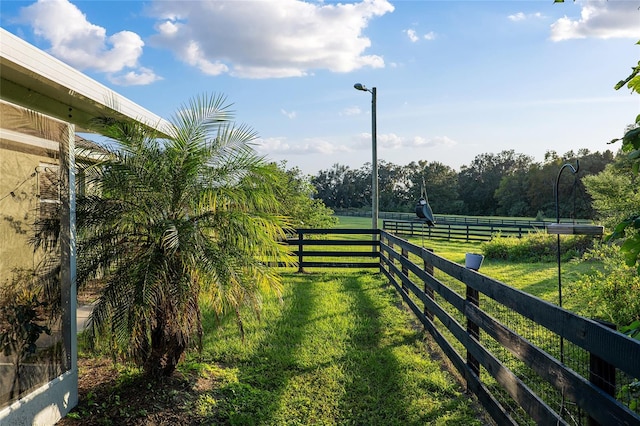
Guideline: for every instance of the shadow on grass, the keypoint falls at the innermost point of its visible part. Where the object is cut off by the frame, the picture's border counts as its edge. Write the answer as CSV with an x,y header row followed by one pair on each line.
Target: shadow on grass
x,y
337,352
262,375
393,382
373,394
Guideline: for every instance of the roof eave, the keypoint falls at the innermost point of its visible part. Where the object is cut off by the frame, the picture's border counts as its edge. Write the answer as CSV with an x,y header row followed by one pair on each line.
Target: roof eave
x,y
36,80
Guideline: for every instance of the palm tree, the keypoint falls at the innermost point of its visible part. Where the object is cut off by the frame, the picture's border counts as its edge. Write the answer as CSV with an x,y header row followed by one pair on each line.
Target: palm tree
x,y
175,222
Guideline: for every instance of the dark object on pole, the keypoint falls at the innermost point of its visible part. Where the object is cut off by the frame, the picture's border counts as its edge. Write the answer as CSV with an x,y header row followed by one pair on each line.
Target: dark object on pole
x,y
423,209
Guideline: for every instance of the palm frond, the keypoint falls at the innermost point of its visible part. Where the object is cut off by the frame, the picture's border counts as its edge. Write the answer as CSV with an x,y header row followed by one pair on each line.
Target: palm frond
x,y
173,221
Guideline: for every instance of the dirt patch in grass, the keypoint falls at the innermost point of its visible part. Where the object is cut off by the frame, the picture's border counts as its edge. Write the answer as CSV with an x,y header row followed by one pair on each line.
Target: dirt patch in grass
x,y
108,397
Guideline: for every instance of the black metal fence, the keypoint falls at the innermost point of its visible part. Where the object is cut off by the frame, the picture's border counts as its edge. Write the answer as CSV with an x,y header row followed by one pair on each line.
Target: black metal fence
x,y
527,361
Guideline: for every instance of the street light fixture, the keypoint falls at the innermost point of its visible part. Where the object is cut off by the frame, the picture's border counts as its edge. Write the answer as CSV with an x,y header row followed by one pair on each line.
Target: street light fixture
x,y
374,155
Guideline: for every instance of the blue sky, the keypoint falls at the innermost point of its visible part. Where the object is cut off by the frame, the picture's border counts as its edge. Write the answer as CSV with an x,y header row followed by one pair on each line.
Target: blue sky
x,y
454,79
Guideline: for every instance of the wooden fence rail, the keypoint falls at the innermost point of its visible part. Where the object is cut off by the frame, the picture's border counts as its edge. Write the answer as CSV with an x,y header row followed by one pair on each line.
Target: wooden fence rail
x,y
527,361
354,258
530,376
456,219
458,231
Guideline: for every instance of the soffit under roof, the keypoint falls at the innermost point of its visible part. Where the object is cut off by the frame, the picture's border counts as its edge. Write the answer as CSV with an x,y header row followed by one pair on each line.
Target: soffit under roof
x,y
36,80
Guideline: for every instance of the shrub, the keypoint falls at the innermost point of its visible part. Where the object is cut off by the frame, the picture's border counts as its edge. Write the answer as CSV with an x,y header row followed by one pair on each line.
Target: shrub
x,y
609,293
536,247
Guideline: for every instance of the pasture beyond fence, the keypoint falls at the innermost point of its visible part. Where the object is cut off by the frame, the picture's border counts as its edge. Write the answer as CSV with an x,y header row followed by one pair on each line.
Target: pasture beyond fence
x,y
527,361
461,228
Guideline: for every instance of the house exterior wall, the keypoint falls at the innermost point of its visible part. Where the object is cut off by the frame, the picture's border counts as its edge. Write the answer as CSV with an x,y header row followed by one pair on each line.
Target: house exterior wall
x,y
42,84
36,172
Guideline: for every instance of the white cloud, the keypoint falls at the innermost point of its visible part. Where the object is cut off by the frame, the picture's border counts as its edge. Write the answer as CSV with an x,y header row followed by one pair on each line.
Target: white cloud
x,y
520,16
391,141
260,39
193,56
412,35
351,111
289,114
600,19
140,77
308,146
429,36
84,45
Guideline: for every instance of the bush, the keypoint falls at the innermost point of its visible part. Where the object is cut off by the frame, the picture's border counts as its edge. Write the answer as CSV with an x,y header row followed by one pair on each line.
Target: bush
x,y
536,247
609,293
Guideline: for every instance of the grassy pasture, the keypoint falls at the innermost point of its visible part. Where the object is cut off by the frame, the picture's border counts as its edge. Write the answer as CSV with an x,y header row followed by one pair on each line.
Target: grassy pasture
x,y
333,349
539,279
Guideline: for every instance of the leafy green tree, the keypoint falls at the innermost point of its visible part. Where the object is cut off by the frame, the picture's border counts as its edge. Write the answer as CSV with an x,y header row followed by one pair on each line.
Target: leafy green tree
x,y
629,228
511,195
575,201
299,201
343,188
478,182
392,188
441,184
176,222
614,192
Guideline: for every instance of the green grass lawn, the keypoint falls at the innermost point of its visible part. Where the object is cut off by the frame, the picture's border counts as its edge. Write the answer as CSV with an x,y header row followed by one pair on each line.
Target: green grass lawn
x,y
539,279
335,350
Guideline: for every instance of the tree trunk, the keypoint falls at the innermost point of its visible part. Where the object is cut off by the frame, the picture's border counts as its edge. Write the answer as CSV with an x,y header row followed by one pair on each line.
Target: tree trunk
x,y
167,348
15,385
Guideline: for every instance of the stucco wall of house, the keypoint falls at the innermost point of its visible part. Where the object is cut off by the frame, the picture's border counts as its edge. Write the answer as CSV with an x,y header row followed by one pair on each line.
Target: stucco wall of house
x,y
35,159
19,204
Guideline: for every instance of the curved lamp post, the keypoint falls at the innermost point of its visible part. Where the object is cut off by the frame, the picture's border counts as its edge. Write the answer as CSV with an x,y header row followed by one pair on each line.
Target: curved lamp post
x,y
374,156
568,229
574,170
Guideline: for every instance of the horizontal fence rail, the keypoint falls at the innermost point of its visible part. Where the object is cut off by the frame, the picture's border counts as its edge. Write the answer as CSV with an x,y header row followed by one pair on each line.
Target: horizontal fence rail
x,y
320,248
457,231
455,219
527,360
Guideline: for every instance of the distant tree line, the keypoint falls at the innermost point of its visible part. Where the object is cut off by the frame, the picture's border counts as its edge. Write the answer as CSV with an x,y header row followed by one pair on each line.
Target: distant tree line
x,y
503,184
